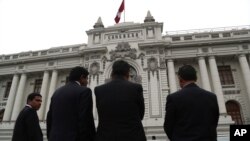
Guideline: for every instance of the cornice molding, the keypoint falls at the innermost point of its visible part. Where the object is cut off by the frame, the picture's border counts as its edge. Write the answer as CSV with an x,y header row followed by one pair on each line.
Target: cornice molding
x,y
125,26
209,42
39,58
146,45
94,50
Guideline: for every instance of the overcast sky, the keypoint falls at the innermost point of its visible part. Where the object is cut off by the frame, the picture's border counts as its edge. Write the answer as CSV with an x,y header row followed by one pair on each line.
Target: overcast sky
x,y
30,25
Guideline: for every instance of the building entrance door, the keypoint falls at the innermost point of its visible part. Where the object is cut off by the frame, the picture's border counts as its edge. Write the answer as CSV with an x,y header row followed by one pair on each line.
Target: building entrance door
x,y
233,109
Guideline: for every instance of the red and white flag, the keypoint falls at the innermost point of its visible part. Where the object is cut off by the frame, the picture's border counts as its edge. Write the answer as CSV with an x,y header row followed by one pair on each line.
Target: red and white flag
x,y
121,9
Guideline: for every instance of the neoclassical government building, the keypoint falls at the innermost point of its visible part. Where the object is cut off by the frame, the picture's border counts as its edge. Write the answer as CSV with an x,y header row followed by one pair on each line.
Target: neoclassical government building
x,y
221,57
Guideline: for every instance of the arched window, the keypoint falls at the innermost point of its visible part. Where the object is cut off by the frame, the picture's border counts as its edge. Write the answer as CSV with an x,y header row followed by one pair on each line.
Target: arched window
x,y
133,76
233,109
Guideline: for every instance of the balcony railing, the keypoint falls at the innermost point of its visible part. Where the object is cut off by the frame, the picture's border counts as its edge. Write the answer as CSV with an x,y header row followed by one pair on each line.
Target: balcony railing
x,y
208,30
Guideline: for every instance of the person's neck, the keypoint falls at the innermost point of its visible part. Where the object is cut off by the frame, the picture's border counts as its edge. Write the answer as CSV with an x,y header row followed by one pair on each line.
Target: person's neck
x,y
119,77
188,82
28,105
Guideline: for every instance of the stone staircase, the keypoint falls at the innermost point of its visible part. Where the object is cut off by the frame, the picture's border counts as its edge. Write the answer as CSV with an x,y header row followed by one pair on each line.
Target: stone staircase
x,y
5,134
156,131
6,131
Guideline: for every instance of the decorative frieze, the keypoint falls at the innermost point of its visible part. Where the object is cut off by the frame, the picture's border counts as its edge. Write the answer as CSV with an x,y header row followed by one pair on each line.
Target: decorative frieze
x,y
141,56
123,35
123,50
95,57
150,52
104,60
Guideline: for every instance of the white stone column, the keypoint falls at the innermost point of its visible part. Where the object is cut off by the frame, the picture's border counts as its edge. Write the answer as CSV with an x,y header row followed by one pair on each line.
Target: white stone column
x,y
44,94
246,72
217,84
171,76
248,56
11,98
19,97
204,74
51,90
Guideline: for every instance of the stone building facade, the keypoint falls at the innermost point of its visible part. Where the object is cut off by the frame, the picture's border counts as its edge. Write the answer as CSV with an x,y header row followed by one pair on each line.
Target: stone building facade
x,y
221,57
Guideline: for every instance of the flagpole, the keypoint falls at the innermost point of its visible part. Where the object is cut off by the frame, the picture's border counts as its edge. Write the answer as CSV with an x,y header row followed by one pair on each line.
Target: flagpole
x,y
124,11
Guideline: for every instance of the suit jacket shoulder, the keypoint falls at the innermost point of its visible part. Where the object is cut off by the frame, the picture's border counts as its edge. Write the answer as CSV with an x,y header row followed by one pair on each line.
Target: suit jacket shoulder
x,y
70,115
27,126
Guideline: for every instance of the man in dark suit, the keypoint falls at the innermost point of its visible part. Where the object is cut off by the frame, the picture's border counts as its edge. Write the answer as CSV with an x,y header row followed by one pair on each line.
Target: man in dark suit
x,y
120,106
70,116
27,126
192,113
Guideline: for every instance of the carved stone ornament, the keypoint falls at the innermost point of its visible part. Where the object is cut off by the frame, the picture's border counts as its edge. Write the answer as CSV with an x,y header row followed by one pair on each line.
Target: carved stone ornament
x,y
94,68
86,65
104,60
162,63
152,64
123,50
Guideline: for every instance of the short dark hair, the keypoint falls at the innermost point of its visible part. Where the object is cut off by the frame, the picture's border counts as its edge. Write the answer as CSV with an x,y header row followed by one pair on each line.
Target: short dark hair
x,y
120,68
187,72
76,73
32,96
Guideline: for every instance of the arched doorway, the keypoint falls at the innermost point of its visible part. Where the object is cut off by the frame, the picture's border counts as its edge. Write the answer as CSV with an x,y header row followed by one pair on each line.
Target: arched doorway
x,y
133,76
233,109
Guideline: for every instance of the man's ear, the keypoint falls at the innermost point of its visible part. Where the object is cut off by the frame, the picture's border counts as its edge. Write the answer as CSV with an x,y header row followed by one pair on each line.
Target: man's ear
x,y
181,80
82,76
28,102
127,75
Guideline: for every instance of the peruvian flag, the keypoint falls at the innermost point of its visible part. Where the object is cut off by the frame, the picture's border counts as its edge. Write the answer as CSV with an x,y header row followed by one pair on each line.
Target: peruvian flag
x,y
118,15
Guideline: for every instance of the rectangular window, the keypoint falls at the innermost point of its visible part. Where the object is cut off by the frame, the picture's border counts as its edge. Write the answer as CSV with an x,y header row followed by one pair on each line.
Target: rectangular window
x,y
15,56
240,33
7,57
7,90
202,36
215,35
44,53
226,76
176,38
245,46
226,34
187,37
38,85
35,54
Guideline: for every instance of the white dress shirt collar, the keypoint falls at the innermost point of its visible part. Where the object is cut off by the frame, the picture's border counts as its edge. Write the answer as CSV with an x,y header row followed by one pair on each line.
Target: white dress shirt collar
x,y
28,105
78,83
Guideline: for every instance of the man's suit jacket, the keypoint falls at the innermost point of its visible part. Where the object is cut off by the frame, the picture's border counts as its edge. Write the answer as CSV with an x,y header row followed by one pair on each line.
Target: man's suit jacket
x,y
191,115
120,106
27,126
70,115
